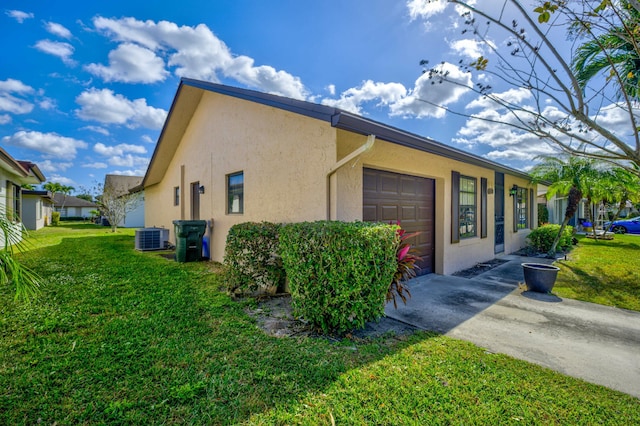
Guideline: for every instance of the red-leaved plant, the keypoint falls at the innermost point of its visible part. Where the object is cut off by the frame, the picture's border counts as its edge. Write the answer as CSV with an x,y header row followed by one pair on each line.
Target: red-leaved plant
x,y
405,270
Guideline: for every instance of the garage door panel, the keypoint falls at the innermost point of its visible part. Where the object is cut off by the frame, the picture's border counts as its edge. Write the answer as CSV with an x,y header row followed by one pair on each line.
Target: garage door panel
x,y
408,187
369,213
408,213
389,212
388,185
389,197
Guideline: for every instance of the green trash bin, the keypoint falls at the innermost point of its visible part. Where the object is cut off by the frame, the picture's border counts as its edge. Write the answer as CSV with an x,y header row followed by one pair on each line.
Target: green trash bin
x,y
189,239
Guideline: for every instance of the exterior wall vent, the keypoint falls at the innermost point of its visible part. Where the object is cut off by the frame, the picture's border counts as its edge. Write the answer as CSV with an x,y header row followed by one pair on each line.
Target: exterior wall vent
x,y
151,238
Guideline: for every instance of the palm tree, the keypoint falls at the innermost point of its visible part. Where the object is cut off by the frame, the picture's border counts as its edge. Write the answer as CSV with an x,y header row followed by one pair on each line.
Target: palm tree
x,y
574,176
12,272
55,187
616,51
622,186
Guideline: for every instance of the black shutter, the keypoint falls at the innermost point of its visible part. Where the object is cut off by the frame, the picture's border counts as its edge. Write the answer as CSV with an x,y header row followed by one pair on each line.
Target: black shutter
x,y
455,207
483,207
515,210
532,209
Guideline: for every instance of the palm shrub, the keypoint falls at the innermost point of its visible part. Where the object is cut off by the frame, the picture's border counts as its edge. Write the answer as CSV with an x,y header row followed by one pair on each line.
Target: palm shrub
x,y
12,272
339,273
55,218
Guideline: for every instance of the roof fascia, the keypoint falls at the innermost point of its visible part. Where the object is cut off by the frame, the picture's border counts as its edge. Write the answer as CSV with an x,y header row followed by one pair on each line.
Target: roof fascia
x,y
13,163
346,121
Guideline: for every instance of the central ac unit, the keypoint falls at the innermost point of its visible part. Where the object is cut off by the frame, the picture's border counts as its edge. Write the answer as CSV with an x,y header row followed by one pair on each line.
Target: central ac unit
x,y
151,238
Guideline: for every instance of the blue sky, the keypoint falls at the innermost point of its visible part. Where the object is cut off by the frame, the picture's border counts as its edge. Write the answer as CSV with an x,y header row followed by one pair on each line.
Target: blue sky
x,y
85,86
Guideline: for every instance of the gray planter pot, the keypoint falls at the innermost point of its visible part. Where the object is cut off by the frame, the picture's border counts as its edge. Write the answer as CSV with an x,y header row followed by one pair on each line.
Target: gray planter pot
x,y
540,277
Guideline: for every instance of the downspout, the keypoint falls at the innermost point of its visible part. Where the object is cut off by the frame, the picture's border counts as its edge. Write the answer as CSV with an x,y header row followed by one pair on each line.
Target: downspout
x,y
371,139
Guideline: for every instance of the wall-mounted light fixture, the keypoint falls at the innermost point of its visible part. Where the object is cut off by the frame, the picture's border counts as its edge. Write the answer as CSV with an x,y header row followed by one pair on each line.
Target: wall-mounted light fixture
x,y
513,191
201,189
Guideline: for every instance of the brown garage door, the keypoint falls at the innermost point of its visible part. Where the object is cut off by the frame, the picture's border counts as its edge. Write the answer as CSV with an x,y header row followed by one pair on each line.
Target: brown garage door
x,y
409,199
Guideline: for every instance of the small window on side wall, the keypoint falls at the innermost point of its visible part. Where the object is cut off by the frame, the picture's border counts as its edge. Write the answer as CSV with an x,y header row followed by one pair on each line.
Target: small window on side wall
x,y
235,193
176,195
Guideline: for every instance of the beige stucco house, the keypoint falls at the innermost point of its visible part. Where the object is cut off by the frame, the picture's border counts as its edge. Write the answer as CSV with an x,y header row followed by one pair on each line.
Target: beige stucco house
x,y
37,207
230,155
14,174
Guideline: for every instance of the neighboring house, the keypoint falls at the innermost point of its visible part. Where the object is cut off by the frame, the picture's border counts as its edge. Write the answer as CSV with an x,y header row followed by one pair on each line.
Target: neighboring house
x,y
70,206
230,155
37,207
14,174
122,185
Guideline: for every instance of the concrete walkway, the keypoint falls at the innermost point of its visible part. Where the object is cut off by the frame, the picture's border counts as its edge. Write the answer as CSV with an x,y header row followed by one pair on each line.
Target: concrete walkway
x,y
599,344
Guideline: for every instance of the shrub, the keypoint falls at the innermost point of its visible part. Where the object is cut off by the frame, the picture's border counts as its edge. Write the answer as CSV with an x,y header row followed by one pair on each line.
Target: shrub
x,y
542,238
55,218
251,259
339,273
73,219
543,214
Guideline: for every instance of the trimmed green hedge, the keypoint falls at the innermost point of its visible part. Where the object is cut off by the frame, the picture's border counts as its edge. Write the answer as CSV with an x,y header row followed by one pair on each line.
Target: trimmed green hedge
x,y
542,238
339,273
55,218
73,219
251,259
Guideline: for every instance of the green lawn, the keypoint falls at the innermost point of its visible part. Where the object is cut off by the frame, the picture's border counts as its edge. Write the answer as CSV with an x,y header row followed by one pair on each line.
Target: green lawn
x,y
124,337
603,271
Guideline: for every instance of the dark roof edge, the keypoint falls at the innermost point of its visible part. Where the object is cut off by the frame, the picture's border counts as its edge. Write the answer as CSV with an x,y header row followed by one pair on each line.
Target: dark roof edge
x,y
318,111
160,137
339,119
4,155
354,123
347,121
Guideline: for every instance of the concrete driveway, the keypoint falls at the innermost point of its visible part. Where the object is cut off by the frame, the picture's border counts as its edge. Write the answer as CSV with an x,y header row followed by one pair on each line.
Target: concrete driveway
x,y
596,343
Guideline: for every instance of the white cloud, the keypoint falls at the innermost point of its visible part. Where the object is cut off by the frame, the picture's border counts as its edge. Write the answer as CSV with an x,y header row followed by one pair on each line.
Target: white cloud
x,y
9,102
96,165
46,143
57,48
432,94
515,96
5,119
129,161
135,172
331,88
107,107
352,99
49,166
467,47
265,77
96,129
62,180
425,9
57,30
15,86
130,63
493,126
193,52
147,139
120,149
47,104
19,15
